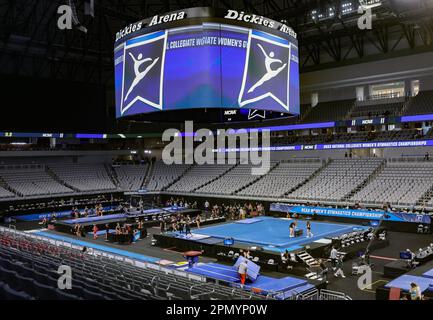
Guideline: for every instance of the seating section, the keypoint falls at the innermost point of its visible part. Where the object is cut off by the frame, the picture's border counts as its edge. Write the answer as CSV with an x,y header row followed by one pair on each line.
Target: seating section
x,y
283,178
376,110
400,182
199,175
130,177
329,111
421,103
29,271
337,179
163,175
33,182
84,177
396,135
232,181
6,193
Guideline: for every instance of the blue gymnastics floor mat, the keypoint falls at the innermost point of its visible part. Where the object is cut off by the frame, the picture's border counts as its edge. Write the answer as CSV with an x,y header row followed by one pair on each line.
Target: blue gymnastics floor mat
x,y
284,287
131,255
273,233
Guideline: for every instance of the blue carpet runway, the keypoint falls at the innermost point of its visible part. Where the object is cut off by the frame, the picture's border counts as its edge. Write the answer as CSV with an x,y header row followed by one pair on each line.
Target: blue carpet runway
x,y
92,245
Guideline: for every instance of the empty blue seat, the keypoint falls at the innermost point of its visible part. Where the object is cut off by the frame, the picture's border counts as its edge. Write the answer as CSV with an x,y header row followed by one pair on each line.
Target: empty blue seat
x,y
12,294
27,272
24,284
40,277
77,290
7,276
90,295
45,292
2,292
65,295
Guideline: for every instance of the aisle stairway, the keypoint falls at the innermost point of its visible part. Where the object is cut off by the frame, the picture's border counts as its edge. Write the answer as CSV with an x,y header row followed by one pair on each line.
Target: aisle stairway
x,y
315,173
148,175
308,259
112,174
55,177
313,266
373,176
219,176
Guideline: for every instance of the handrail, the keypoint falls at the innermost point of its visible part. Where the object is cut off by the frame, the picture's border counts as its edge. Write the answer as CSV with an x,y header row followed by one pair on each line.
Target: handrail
x,y
335,294
96,254
199,294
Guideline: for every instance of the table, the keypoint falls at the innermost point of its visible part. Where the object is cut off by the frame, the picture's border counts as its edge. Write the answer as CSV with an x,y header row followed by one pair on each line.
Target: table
x,y
299,232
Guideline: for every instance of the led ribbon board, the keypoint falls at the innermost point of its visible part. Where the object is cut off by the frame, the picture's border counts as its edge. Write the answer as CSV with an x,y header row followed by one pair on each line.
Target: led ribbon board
x,y
206,59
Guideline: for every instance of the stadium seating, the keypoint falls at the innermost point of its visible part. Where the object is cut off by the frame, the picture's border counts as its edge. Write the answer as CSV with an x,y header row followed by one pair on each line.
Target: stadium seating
x,y
400,182
328,111
395,135
33,181
4,194
377,108
28,270
286,176
130,177
420,104
337,180
230,182
164,175
84,177
198,176
346,137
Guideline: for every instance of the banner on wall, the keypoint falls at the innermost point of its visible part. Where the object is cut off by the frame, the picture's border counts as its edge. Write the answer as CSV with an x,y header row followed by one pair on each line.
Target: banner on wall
x,y
352,213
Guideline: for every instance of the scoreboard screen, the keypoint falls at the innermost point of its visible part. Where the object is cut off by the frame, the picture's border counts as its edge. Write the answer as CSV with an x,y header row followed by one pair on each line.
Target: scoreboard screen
x,y
201,62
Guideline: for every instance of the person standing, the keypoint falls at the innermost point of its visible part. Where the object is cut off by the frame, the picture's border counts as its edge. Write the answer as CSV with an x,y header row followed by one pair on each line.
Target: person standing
x,y
339,267
324,272
241,213
292,230
242,271
415,292
188,227
333,256
198,221
95,232
181,225
107,231
309,234
162,226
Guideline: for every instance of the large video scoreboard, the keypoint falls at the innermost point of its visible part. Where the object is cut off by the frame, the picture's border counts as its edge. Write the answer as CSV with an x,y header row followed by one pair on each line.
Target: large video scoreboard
x,y
206,58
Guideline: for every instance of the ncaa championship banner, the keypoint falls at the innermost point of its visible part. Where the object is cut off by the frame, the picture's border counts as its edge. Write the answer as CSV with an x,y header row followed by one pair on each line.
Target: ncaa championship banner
x,y
352,213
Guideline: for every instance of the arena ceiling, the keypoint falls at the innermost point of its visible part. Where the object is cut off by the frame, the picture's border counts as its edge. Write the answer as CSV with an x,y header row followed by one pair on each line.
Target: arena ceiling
x,y
31,44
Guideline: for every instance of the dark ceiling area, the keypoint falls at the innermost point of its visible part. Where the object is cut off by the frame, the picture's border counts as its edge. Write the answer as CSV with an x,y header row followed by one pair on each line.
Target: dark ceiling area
x,y
32,47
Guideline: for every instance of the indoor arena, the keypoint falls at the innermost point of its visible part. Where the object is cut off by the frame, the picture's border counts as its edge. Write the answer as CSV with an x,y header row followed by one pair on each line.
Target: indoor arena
x,y
216,150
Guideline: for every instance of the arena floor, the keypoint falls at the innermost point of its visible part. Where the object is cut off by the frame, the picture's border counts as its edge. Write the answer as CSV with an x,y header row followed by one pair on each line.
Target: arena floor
x,y
379,258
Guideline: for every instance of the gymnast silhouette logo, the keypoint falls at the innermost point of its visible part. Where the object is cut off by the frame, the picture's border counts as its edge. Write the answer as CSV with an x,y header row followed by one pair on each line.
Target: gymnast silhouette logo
x,y
270,73
254,113
266,75
139,75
